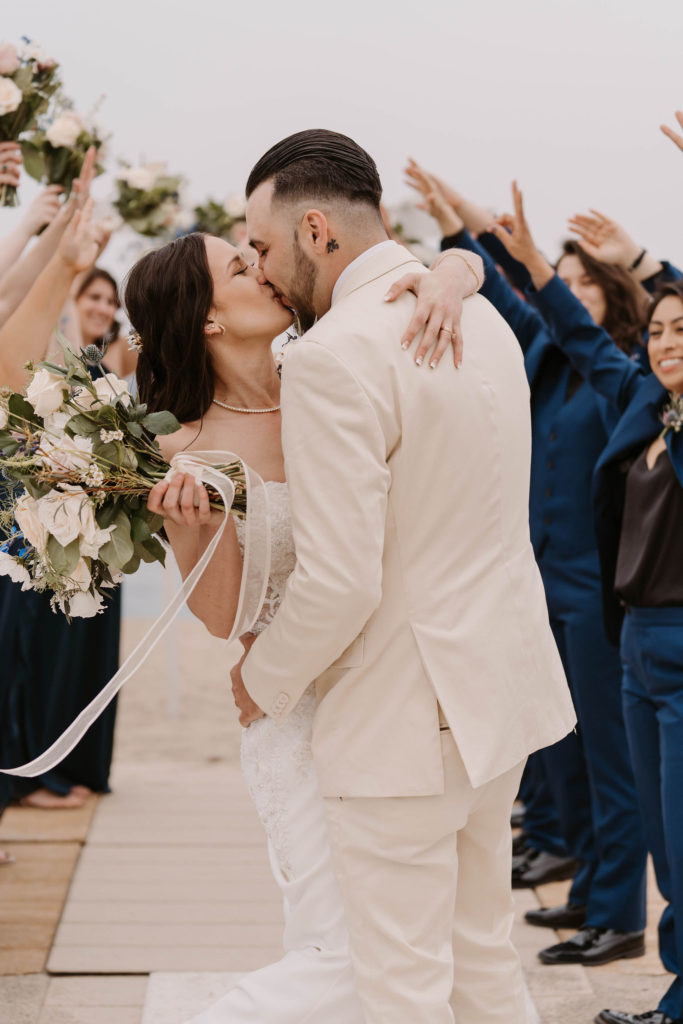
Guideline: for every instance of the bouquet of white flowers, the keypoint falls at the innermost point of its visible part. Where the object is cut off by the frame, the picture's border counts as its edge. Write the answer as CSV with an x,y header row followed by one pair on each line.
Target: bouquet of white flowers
x,y
28,78
85,454
219,218
148,199
54,153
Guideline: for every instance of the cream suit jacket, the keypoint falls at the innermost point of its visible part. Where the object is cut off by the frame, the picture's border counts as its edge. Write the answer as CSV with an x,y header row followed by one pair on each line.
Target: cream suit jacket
x,y
415,583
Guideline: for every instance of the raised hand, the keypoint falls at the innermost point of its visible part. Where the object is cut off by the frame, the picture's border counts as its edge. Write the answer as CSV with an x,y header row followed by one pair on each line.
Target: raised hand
x,y
43,210
676,137
78,246
604,239
434,201
513,231
81,185
10,163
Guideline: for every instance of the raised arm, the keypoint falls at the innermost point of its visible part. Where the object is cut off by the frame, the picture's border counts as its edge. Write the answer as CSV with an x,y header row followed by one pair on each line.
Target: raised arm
x,y
524,321
608,370
26,334
335,459
40,212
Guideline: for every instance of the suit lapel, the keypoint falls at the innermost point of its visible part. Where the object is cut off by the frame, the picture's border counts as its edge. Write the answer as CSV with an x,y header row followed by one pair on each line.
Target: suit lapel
x,y
640,423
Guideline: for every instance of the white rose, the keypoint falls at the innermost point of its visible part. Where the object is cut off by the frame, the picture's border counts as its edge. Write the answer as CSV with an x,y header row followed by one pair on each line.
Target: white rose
x,y
26,513
68,514
235,206
109,387
32,51
9,59
16,571
55,422
80,578
64,130
4,417
46,392
85,605
10,96
66,454
145,177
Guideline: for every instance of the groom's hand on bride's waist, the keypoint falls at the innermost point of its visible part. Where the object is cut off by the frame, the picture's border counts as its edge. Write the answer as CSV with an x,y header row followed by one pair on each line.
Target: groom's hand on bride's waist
x,y
249,711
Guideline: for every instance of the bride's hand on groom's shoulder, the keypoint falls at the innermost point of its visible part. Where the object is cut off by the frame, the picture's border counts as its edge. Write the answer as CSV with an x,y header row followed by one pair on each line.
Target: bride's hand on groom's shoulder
x,y
182,500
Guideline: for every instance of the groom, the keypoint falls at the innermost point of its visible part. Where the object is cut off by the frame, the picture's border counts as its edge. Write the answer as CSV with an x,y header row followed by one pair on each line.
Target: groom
x,y
415,604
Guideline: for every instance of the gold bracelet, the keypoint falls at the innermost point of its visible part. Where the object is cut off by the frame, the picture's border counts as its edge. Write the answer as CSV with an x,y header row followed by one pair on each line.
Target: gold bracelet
x,y
455,252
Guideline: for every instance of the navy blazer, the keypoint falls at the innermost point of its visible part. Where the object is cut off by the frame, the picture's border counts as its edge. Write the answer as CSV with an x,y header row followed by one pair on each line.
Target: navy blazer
x,y
638,397
568,433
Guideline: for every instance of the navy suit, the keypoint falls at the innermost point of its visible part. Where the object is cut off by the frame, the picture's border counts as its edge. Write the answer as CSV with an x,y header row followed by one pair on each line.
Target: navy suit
x,y
651,638
590,776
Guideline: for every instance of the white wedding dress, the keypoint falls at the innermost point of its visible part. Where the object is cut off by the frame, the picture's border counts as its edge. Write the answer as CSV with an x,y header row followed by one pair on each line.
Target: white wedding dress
x,y
313,982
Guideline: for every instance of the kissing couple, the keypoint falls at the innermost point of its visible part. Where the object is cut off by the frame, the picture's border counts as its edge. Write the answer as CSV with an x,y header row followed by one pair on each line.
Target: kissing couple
x,y
402,667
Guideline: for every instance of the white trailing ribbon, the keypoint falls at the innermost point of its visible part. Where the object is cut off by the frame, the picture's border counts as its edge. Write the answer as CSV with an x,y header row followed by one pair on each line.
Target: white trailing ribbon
x,y
255,572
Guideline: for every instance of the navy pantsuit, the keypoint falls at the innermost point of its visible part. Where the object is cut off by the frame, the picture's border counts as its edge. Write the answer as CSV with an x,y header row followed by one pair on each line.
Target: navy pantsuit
x,y
651,638
589,774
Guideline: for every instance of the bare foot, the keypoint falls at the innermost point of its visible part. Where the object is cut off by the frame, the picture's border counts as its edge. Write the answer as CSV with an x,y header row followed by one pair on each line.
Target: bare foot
x,y
6,858
81,791
48,800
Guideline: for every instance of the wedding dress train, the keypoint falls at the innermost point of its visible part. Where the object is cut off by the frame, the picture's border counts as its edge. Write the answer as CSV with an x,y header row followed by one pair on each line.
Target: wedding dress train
x,y
313,983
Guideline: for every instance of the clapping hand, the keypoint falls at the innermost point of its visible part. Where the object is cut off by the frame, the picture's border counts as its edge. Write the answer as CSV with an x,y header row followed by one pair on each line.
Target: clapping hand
x,y
513,231
676,137
604,239
10,163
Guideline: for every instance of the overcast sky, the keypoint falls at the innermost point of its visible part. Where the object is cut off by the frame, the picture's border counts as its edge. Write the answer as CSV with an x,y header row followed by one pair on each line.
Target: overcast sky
x,y
567,97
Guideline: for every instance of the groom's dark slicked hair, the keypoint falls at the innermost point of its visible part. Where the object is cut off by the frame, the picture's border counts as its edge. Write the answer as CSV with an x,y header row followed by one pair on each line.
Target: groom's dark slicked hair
x,y
319,164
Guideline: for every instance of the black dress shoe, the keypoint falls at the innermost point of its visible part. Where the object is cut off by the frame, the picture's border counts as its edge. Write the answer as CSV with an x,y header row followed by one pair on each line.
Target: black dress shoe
x,y
540,867
519,845
517,817
618,1017
594,946
566,916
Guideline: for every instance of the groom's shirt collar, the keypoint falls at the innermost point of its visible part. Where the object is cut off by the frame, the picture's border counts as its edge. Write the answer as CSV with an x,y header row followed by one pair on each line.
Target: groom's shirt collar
x,y
356,263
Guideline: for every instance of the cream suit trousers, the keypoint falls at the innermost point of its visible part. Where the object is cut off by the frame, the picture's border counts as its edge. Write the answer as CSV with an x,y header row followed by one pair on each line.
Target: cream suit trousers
x,y
426,887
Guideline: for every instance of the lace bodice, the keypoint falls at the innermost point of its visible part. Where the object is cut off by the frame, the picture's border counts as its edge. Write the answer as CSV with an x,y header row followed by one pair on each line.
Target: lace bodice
x,y
283,556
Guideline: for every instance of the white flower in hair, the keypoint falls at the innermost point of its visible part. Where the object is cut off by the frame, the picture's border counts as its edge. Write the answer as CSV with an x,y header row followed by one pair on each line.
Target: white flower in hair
x,y
10,96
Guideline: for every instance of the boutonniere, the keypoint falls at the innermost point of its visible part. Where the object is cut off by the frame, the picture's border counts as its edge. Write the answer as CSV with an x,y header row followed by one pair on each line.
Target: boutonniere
x,y
672,414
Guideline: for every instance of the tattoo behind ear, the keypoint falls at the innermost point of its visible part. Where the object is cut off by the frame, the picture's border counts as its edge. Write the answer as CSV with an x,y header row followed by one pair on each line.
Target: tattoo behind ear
x,y
332,245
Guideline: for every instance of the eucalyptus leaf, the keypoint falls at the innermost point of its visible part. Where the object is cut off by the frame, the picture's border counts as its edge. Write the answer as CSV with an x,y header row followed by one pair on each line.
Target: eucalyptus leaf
x,y
134,428
119,548
106,515
139,529
161,423
33,160
132,566
143,553
23,410
64,559
82,424
156,549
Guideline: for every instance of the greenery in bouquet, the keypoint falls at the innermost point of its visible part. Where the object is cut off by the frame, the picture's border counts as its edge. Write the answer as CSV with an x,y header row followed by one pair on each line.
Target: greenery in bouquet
x,y
81,455
28,78
148,199
54,153
216,218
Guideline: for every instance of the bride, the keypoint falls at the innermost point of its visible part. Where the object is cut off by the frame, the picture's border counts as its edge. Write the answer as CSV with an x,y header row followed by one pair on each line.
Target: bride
x,y
206,319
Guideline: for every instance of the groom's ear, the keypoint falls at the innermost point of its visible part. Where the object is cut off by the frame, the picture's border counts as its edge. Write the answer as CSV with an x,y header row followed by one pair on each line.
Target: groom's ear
x,y
314,232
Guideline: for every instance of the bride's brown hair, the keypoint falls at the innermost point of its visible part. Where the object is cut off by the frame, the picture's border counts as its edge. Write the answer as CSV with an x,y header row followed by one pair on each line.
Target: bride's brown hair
x,y
168,297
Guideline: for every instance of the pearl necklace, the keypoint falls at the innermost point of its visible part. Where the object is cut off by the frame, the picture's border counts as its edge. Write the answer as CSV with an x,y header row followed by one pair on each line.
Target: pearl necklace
x,y
236,408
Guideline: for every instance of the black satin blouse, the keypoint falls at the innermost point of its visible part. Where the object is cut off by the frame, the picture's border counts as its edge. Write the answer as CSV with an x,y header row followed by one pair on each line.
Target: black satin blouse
x,y
650,564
